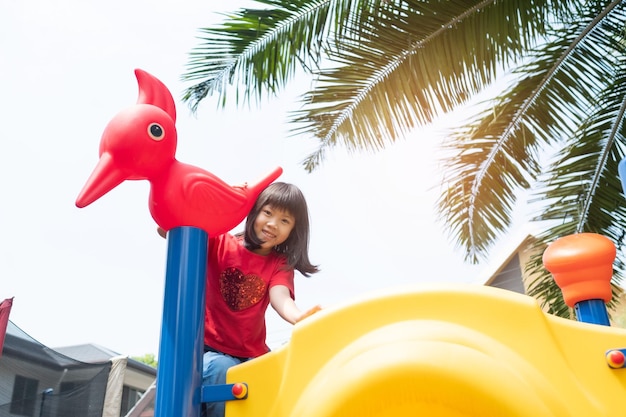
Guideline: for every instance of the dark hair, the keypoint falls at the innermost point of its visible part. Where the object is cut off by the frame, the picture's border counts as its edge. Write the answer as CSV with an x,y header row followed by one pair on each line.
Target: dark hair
x,y
288,197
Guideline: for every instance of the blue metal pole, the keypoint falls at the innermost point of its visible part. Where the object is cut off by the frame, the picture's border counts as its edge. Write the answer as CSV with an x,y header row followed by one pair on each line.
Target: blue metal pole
x,y
179,375
592,311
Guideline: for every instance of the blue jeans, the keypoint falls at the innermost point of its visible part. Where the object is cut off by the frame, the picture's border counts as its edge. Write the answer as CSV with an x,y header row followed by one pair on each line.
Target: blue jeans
x,y
214,367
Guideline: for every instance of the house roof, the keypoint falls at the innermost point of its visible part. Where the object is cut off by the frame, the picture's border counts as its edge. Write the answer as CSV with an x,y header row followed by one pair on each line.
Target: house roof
x,y
507,250
89,352
20,344
93,353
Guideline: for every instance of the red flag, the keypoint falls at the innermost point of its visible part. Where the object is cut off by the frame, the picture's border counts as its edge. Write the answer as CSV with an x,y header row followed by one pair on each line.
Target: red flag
x,y
5,309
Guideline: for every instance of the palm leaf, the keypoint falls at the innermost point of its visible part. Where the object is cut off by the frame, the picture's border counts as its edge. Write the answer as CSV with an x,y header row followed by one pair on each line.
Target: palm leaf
x,y
498,155
260,50
414,61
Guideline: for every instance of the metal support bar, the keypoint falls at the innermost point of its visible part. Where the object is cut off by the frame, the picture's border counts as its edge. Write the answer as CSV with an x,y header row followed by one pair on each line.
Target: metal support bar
x,y
224,392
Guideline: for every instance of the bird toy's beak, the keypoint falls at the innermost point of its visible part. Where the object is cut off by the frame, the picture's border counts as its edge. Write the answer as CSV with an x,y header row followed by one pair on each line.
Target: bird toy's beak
x,y
103,179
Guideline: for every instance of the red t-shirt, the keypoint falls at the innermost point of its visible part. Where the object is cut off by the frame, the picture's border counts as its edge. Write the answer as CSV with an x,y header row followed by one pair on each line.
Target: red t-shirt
x,y
237,295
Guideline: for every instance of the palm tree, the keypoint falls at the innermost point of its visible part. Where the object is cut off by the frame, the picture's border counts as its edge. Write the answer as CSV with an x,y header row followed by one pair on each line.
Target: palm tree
x,y
554,130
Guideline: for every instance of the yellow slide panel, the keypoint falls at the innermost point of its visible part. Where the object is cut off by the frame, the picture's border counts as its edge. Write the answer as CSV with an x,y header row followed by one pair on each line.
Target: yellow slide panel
x,y
437,351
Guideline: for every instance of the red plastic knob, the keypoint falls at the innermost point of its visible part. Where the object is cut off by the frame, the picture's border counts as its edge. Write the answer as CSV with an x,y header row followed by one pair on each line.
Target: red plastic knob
x,y
615,358
239,390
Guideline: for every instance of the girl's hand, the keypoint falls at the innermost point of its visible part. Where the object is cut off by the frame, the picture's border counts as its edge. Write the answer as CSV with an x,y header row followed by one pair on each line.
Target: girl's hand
x,y
161,232
309,312
284,305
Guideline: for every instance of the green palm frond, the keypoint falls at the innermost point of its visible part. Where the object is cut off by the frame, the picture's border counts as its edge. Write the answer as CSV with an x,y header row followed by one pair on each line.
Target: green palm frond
x,y
394,62
404,68
259,49
582,186
496,156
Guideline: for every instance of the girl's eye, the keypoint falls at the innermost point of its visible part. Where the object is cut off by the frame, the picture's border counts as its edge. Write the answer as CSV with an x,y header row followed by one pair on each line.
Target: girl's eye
x,y
286,221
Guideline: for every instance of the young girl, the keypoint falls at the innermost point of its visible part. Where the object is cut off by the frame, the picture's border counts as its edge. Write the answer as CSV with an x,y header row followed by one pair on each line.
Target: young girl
x,y
246,273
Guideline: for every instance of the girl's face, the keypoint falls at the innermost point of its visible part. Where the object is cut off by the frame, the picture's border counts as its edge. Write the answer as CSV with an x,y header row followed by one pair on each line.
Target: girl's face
x,y
272,226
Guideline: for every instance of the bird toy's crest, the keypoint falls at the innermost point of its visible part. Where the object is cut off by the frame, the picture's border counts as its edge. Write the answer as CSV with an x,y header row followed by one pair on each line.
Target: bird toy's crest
x,y
153,91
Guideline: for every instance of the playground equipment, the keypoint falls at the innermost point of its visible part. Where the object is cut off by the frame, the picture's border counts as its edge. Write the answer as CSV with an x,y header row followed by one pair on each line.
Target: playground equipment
x,y
139,143
452,351
438,351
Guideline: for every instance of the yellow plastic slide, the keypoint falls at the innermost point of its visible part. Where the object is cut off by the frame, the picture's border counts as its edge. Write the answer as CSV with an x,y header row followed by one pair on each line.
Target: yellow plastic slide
x,y
437,351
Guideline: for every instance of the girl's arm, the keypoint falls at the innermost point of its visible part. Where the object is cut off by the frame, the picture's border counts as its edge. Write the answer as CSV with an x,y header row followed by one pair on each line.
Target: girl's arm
x,y
281,301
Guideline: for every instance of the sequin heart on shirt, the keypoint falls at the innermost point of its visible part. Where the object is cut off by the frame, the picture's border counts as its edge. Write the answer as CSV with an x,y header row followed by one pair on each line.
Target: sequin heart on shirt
x,y
241,291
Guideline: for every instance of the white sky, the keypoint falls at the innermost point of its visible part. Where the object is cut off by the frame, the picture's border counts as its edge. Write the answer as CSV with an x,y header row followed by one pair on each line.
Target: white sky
x,y
96,275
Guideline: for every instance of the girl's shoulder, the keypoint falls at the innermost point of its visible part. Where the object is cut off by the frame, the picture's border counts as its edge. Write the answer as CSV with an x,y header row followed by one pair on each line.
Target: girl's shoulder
x,y
227,237
225,243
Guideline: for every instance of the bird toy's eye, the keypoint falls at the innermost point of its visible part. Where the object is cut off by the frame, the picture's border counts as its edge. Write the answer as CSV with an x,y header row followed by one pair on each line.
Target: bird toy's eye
x,y
156,131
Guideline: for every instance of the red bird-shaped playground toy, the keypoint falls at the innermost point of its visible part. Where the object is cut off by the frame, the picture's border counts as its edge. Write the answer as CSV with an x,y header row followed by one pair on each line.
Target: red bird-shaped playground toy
x,y
139,143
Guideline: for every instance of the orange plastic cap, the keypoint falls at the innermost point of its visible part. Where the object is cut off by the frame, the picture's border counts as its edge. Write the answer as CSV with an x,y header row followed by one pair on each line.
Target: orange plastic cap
x,y
582,266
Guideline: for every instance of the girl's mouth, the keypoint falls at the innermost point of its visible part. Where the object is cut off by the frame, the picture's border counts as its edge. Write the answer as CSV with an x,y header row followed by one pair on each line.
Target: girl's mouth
x,y
268,235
